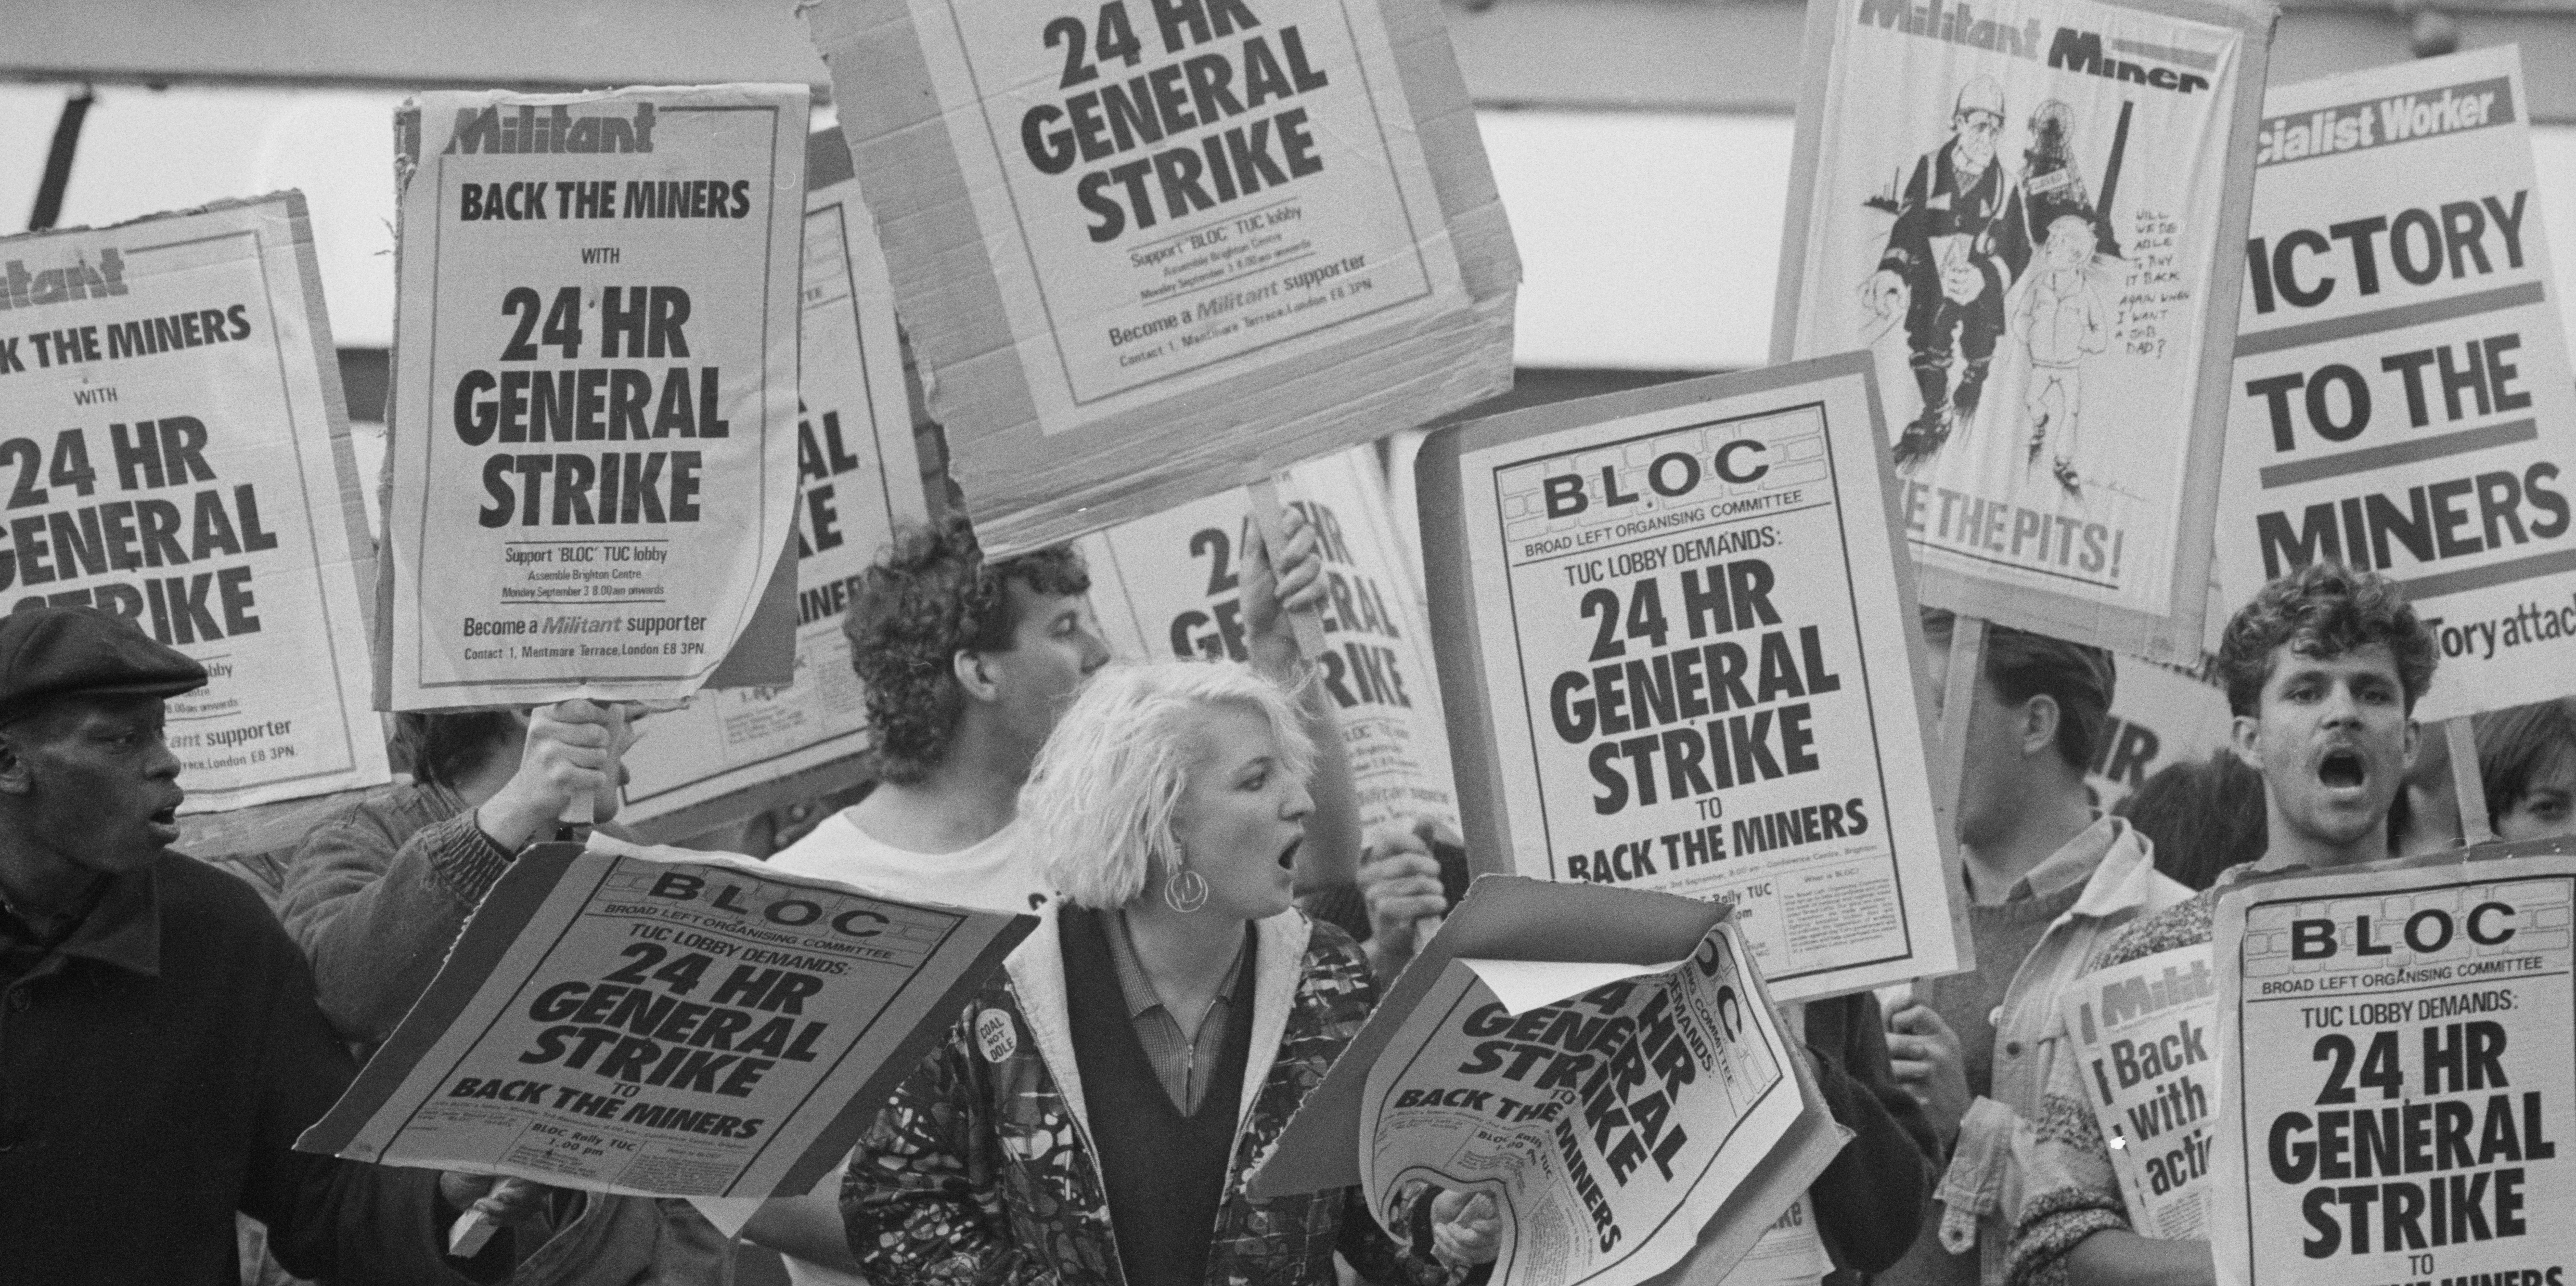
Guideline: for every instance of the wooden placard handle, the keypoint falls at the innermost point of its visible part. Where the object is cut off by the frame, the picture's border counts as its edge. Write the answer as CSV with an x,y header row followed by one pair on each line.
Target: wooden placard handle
x,y
2467,786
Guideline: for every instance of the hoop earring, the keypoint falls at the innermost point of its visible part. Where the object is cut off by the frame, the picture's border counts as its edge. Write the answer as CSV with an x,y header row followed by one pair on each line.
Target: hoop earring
x,y
1186,891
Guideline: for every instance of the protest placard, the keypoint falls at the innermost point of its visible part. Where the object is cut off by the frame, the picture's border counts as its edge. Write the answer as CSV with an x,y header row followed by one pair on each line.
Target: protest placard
x,y
593,434
178,454
2417,1075
1609,933
2142,1034
2161,715
1678,650
1167,585
664,1022
2028,215
1150,252
733,752
2403,401
1609,1109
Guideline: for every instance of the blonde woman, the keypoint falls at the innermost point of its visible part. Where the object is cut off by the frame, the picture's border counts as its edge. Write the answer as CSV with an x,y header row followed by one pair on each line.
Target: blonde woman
x,y
1093,1116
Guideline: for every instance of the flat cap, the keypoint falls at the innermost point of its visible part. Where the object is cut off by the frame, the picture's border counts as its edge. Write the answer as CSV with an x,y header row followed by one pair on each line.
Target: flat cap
x,y
49,652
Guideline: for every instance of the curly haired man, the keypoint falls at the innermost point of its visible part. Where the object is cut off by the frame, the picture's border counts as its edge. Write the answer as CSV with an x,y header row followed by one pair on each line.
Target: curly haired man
x,y
2323,670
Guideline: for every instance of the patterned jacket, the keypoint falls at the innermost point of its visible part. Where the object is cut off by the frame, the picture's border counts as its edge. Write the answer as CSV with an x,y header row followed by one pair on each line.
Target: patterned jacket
x,y
981,1170
2073,1192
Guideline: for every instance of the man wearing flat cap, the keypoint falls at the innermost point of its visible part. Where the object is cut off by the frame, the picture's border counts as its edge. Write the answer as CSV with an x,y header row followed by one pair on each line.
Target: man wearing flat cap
x,y
160,1048
2049,879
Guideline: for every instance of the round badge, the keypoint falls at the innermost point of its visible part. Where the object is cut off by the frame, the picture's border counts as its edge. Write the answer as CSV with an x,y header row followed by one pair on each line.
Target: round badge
x,y
995,1035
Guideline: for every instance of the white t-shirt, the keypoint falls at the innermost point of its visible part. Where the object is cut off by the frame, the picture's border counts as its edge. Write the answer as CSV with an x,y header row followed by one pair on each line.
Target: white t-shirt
x,y
992,875
989,876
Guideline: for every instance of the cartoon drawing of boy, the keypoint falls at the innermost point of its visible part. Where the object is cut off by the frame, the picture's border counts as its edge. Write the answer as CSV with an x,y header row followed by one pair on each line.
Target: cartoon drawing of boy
x,y
2061,317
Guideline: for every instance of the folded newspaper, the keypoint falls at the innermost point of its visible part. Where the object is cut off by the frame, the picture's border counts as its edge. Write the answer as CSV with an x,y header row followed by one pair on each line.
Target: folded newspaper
x,y
664,1022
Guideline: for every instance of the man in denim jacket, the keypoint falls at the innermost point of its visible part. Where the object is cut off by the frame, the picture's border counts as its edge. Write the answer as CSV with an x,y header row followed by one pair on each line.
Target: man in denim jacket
x,y
2049,879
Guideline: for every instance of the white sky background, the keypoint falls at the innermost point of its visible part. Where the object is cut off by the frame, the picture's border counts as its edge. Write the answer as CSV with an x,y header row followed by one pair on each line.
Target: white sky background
x,y
1648,241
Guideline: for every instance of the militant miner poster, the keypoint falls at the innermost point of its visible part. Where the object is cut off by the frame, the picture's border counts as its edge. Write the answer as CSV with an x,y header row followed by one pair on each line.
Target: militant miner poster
x,y
1675,637
593,437
2027,214
2402,399
177,453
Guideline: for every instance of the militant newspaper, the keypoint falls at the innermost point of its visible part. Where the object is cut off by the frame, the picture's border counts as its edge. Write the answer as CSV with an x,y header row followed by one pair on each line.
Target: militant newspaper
x,y
177,452
1676,634
2403,401
858,477
2416,1082
1609,1109
2142,1033
593,439
1169,585
664,1022
2025,210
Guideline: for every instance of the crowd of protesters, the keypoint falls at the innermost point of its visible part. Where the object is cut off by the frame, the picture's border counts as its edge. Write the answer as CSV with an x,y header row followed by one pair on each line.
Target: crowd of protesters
x,y
1213,929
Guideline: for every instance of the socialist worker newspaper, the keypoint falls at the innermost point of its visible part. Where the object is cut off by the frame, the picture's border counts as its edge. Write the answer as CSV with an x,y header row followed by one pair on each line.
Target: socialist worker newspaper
x,y
857,477
593,440
2399,1076
1678,639
2403,401
177,453
1610,1110
664,1022
1171,585
2142,1035
2025,210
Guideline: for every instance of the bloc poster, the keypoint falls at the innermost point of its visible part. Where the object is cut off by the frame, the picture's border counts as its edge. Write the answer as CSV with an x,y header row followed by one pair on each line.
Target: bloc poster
x,y
1678,646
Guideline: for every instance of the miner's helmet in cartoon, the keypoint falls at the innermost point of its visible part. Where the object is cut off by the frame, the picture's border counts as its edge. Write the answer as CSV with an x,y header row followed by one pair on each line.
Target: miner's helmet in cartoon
x,y
1979,119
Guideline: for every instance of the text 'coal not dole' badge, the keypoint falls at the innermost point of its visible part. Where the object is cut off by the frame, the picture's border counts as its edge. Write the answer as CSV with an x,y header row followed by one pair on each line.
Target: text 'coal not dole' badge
x,y
593,442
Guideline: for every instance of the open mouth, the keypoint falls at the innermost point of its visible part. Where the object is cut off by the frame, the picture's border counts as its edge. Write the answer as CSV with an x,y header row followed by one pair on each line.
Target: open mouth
x,y
1288,855
2342,769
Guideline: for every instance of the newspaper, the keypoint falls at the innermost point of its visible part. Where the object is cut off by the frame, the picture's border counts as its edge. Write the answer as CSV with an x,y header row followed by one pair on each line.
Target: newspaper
x,y
2399,1076
177,453
1678,654
664,1022
1610,1109
2142,1033
2029,215
2403,398
592,450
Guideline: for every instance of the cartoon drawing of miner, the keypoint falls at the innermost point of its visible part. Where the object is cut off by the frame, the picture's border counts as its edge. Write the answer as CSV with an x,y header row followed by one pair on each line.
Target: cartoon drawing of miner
x,y
2062,316
1959,244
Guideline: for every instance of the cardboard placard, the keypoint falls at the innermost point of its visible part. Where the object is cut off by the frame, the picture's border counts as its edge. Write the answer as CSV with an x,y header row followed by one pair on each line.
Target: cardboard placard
x,y
1150,252
2143,1033
1678,649
1169,586
2403,401
664,1022
592,444
859,477
178,454
2029,216
2419,1072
